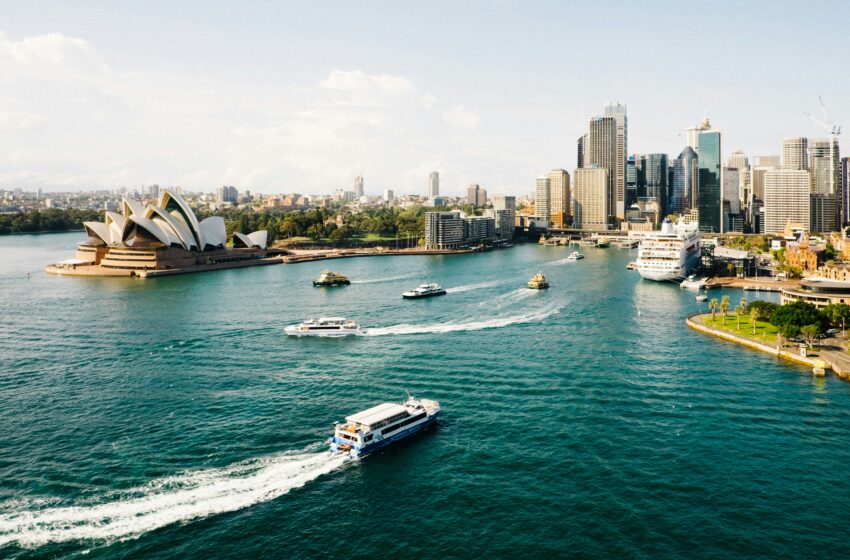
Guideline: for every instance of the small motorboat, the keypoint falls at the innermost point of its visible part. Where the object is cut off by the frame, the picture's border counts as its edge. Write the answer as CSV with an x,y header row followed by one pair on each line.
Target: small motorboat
x,y
574,256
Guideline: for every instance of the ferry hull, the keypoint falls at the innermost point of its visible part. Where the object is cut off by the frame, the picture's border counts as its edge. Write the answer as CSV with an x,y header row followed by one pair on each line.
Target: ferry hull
x,y
372,447
420,296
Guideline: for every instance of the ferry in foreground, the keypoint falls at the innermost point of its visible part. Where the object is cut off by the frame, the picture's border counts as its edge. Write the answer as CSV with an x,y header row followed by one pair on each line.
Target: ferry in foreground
x,y
325,326
381,425
669,254
423,291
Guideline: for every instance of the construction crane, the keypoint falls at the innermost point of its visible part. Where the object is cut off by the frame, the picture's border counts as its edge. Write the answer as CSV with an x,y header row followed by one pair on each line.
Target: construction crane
x,y
834,130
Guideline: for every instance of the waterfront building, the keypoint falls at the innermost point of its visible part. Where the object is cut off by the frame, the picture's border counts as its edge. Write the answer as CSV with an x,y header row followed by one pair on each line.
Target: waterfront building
x,y
225,193
590,196
683,195
710,181
163,237
433,185
786,199
652,179
618,112
543,197
795,153
818,291
478,229
559,196
444,230
602,153
504,208
358,187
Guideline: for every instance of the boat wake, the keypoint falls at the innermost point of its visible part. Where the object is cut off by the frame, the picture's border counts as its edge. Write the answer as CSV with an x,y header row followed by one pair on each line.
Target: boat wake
x,y
126,514
470,287
440,328
379,280
509,298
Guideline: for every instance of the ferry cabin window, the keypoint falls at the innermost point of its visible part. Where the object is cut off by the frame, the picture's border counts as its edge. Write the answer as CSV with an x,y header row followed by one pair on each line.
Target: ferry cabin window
x,y
410,420
368,438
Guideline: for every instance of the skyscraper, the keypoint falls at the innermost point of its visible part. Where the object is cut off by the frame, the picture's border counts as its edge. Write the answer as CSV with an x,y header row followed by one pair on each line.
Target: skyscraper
x,y
738,160
819,165
434,185
652,176
709,182
795,153
590,200
542,198
845,191
618,111
683,195
631,181
602,152
581,151
226,193
472,194
786,199
559,185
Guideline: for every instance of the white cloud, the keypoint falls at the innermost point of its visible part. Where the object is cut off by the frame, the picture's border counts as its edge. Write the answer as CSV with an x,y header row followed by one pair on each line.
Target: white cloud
x,y
460,118
88,125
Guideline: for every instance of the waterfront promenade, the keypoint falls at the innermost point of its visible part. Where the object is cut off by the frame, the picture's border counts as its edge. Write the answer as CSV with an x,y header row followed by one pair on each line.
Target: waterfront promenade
x,y
829,353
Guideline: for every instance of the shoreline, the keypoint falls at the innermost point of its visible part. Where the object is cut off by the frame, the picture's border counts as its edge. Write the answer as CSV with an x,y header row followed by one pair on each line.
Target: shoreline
x,y
814,362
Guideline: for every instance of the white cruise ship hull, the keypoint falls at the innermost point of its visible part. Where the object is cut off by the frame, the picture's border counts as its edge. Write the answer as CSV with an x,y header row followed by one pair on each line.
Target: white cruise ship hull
x,y
669,255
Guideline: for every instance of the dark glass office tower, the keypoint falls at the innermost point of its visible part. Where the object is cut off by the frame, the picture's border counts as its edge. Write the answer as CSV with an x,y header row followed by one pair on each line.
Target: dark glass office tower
x,y
709,195
652,179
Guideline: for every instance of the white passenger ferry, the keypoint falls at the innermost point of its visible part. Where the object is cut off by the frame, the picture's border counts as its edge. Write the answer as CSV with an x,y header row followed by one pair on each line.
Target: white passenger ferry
x,y
423,291
325,326
669,254
381,425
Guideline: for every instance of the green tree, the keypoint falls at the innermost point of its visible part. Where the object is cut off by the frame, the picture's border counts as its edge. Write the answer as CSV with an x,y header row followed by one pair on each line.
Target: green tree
x,y
789,331
810,333
755,315
713,305
724,307
766,309
797,313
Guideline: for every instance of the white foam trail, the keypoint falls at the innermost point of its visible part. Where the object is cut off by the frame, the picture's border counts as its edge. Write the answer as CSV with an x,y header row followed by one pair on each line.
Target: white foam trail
x,y
506,299
440,328
182,498
388,279
470,287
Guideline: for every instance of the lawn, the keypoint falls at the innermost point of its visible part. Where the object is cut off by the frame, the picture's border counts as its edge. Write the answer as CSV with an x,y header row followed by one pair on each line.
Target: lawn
x,y
765,332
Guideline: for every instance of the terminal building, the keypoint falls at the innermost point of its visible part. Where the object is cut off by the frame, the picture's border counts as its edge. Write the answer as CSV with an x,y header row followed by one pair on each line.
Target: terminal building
x,y
160,238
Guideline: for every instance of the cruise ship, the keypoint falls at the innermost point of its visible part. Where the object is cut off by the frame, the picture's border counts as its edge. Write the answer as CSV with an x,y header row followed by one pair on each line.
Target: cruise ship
x,y
381,425
669,254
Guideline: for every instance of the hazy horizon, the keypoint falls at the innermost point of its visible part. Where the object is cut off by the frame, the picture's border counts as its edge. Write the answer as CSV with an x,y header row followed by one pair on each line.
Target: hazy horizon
x,y
285,98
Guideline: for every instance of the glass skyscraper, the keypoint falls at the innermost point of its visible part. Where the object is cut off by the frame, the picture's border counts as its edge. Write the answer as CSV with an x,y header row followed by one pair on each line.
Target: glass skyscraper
x,y
709,190
652,176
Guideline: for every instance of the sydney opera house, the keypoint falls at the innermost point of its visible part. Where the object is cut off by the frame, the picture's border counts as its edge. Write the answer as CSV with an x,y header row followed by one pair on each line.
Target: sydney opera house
x,y
161,239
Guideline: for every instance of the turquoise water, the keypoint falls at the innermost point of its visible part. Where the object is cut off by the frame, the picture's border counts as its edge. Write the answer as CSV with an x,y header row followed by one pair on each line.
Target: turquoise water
x,y
169,418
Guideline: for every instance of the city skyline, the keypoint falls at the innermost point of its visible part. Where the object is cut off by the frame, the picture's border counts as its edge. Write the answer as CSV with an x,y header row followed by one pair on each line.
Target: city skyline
x,y
83,107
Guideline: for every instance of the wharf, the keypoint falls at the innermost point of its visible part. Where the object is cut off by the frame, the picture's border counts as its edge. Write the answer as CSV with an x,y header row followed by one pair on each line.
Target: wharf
x,y
753,284
831,355
322,254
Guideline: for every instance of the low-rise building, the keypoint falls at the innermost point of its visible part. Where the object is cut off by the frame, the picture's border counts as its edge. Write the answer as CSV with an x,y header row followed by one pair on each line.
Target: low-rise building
x,y
804,255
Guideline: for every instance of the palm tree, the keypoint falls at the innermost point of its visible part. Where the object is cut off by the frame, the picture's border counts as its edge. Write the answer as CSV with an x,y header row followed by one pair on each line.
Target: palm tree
x,y
738,312
713,304
724,307
755,315
743,302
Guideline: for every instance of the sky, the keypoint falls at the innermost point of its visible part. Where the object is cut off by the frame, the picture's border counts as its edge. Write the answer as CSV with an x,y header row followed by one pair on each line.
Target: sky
x,y
280,97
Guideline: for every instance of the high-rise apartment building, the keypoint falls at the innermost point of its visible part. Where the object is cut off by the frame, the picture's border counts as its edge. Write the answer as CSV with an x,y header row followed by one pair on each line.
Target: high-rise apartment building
x,y
543,198
652,180
683,192
590,198
820,164
444,230
358,186
434,185
602,152
504,209
559,192
618,112
786,199
472,194
710,182
795,153
227,193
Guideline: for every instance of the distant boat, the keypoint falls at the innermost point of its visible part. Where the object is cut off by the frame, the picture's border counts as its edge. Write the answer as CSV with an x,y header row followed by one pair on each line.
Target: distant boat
x,y
631,266
423,291
603,243
701,297
538,282
693,283
326,327
574,256
328,278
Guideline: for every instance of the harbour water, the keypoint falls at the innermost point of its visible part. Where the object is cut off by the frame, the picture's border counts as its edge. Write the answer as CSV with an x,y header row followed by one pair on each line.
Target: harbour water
x,y
170,418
